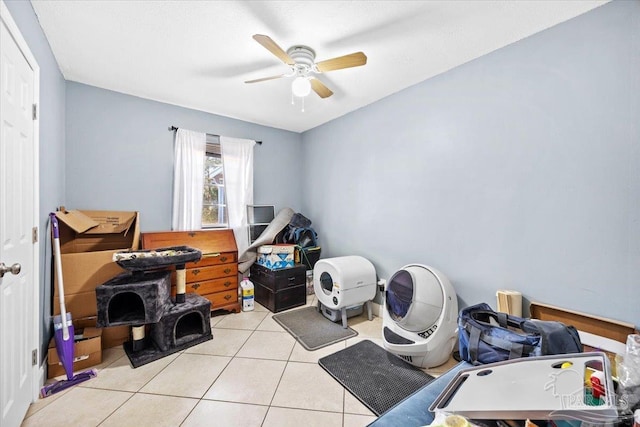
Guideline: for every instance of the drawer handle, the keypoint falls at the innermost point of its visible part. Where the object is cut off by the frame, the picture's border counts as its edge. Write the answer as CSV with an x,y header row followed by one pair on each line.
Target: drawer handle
x,y
195,286
223,258
227,270
195,272
227,297
213,255
226,284
291,279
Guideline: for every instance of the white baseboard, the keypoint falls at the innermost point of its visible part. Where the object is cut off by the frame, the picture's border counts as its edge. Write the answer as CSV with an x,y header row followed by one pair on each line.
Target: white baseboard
x,y
39,381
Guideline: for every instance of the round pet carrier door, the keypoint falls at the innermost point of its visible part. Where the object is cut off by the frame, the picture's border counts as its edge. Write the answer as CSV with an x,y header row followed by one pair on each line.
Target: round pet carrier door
x,y
414,298
326,283
400,295
419,316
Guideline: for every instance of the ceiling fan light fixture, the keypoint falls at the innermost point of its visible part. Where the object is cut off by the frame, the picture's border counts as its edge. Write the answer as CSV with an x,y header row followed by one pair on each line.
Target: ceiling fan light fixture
x,y
302,62
301,87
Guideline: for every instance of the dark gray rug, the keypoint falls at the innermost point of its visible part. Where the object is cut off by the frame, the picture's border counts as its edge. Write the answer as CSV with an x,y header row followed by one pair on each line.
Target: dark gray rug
x,y
312,329
377,378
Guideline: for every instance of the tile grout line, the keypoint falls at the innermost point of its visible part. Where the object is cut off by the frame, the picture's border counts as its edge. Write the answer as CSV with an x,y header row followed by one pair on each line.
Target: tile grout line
x,y
201,399
134,392
277,385
116,409
216,379
230,358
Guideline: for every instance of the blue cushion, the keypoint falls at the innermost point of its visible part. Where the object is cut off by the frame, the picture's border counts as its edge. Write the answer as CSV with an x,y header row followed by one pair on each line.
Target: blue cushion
x,y
414,410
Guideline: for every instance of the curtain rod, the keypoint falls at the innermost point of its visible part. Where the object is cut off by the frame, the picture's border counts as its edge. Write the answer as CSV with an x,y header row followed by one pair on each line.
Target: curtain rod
x,y
173,128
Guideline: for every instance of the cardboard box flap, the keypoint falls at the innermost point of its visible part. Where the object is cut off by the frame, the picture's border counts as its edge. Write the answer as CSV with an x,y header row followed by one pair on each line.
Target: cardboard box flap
x,y
276,249
98,222
76,220
103,231
111,222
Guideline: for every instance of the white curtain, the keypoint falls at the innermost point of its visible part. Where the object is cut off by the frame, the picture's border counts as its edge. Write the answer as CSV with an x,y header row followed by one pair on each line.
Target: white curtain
x,y
237,161
188,179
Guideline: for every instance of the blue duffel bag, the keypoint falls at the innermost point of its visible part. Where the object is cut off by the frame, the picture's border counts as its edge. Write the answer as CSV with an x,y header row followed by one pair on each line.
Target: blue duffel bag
x,y
485,336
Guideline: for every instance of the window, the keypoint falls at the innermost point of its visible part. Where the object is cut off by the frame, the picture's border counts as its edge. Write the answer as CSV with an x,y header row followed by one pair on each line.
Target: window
x,y
214,203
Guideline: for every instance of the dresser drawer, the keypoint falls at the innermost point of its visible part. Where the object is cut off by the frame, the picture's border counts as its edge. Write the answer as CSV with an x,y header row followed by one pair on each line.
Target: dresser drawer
x,y
214,259
215,285
220,299
215,275
209,286
200,274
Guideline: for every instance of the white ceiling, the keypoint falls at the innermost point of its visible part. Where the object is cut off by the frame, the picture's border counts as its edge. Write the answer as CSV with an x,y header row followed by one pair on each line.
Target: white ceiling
x,y
197,54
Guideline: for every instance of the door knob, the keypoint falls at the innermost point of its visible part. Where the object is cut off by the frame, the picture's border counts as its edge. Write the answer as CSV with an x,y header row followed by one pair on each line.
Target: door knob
x,y
14,269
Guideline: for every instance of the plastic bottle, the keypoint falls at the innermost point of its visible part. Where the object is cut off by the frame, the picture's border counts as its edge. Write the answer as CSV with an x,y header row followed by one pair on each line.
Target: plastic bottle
x,y
247,295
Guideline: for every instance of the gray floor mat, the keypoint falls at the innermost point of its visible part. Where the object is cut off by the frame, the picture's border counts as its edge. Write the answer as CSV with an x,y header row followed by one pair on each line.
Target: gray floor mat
x,y
312,329
377,378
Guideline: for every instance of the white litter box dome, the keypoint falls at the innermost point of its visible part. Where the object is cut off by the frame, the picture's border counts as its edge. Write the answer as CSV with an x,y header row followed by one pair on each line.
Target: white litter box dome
x,y
420,316
344,281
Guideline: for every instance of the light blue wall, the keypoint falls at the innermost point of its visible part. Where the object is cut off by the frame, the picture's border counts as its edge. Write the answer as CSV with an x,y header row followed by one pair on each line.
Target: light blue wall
x,y
519,170
120,154
52,150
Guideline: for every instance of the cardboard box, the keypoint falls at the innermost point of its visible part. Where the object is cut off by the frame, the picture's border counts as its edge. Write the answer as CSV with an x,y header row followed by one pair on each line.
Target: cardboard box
x,y
82,272
88,240
111,336
87,350
85,305
93,231
79,305
276,257
114,336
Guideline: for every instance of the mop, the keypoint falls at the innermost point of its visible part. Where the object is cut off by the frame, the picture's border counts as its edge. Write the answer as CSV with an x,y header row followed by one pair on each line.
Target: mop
x,y
63,328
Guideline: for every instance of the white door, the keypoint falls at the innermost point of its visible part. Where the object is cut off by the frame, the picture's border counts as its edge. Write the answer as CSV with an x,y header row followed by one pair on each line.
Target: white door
x,y
18,163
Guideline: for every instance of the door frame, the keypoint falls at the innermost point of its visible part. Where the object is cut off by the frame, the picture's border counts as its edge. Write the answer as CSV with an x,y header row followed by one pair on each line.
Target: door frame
x,y
38,368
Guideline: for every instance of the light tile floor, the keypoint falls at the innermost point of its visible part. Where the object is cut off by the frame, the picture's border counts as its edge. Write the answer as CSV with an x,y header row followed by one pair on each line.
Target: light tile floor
x,y
253,373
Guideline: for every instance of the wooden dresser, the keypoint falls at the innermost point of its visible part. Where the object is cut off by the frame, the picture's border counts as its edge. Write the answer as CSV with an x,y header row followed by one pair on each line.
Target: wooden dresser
x,y
215,276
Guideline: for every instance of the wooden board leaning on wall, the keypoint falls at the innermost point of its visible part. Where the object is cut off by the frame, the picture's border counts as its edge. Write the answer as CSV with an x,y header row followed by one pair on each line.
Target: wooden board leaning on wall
x,y
608,328
596,333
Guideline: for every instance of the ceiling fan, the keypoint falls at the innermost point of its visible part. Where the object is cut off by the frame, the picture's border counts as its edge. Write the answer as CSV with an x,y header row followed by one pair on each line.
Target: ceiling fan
x,y
301,59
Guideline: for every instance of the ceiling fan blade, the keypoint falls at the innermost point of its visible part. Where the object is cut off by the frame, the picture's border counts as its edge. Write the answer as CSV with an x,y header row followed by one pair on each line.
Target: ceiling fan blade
x,y
273,47
266,78
319,88
347,61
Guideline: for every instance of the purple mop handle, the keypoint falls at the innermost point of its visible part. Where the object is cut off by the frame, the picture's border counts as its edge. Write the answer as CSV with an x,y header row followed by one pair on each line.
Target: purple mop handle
x,y
55,228
54,225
